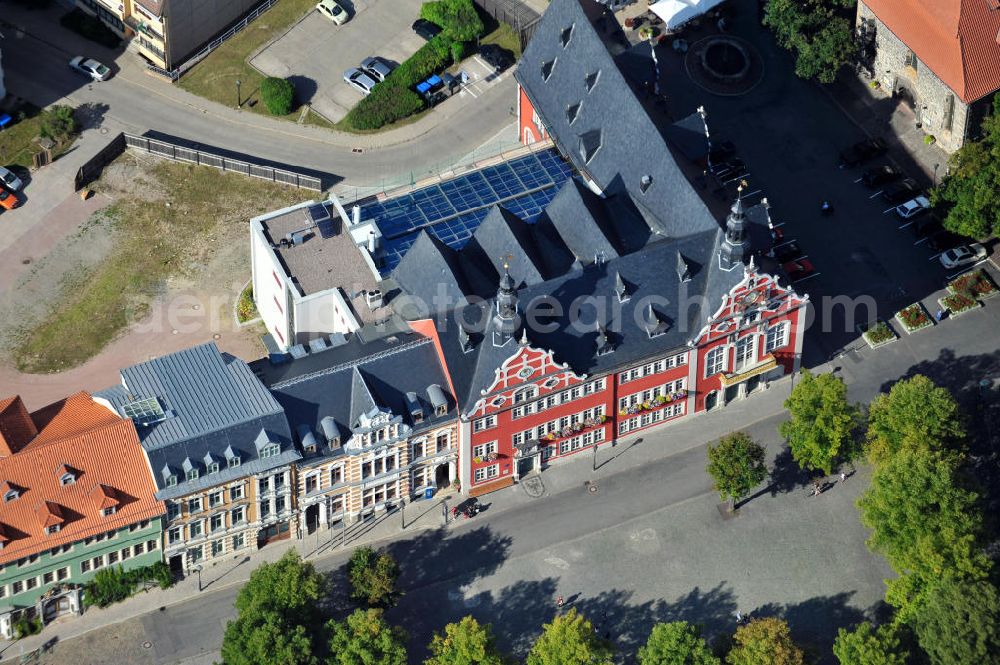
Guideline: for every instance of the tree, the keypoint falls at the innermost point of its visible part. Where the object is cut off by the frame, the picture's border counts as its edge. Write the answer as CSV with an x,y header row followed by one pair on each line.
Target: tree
x,y
366,637
766,641
373,576
58,123
818,32
959,622
465,643
967,195
676,643
822,424
923,521
570,640
736,465
458,18
277,615
866,645
915,412
278,95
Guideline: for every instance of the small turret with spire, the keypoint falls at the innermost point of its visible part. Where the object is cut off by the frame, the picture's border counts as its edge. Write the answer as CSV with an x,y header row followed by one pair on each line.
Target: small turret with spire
x,y
506,318
736,246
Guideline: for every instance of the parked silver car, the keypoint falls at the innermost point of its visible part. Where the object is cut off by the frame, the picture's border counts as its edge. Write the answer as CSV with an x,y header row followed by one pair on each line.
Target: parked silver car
x,y
963,255
90,67
10,181
376,67
359,80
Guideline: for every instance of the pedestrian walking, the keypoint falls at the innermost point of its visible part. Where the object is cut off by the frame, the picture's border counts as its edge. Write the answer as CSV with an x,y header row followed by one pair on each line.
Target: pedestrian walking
x,y
815,488
560,602
843,477
739,617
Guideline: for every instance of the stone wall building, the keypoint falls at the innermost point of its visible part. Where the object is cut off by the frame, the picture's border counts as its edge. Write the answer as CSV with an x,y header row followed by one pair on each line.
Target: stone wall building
x,y
942,57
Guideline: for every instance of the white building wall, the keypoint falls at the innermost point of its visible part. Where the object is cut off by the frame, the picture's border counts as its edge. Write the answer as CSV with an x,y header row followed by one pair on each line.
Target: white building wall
x,y
272,290
321,314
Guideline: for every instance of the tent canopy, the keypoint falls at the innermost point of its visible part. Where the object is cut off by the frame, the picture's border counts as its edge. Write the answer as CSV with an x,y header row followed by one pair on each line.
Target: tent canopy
x,y
678,12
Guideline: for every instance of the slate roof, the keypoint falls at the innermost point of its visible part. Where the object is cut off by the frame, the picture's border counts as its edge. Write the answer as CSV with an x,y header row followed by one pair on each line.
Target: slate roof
x,y
651,276
101,450
213,402
342,390
611,137
959,40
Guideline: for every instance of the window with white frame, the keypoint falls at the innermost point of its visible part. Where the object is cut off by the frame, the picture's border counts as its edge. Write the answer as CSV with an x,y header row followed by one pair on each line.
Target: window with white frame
x,y
215,499
484,423
196,529
777,337
487,472
715,360
525,394
745,351
379,494
194,505
238,515
420,477
236,493
418,449
174,535
443,441
218,521
484,449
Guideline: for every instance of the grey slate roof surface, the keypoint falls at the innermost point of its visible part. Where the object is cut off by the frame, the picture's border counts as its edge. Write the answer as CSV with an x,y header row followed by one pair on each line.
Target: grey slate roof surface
x,y
213,401
649,273
430,266
501,238
630,144
387,375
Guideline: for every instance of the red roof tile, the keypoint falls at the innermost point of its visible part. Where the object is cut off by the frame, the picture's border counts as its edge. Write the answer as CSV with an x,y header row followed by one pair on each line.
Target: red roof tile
x,y
16,426
956,39
102,450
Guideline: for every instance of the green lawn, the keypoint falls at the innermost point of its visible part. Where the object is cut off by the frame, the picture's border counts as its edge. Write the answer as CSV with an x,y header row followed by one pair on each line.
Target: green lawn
x,y
17,142
152,243
215,77
504,35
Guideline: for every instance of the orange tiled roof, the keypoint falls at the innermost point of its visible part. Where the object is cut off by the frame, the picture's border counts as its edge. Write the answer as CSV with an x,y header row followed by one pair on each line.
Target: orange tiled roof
x,y
16,426
956,39
102,451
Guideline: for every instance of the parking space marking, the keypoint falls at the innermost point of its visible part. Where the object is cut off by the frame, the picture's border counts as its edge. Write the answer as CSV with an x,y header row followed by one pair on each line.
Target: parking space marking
x,y
905,225
922,240
935,256
888,210
857,181
969,269
875,194
815,274
787,242
774,226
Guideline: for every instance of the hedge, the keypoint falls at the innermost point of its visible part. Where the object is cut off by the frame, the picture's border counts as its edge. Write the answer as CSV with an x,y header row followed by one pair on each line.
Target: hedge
x,y
394,99
458,18
278,95
114,584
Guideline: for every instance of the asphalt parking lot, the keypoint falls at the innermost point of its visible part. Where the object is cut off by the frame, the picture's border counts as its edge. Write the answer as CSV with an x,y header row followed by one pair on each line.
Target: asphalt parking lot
x,y
316,52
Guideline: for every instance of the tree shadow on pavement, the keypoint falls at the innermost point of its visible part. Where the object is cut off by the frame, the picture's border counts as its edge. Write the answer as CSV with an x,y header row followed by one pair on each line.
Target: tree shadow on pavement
x,y
815,622
786,475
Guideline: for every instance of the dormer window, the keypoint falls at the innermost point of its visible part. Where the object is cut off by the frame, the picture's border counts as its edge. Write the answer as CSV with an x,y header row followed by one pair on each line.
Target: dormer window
x,y
334,442
10,495
67,479
192,474
109,511
270,450
441,410
417,416
645,182
572,111
621,289
547,68
590,143
171,481
591,79
53,529
213,468
566,35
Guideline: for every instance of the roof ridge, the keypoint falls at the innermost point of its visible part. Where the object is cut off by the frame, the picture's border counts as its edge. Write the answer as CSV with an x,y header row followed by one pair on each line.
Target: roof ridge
x,y
345,365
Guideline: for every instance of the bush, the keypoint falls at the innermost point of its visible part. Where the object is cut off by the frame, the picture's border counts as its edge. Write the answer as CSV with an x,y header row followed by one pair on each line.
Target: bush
x,y
114,584
457,52
246,310
58,123
458,18
90,27
24,627
278,95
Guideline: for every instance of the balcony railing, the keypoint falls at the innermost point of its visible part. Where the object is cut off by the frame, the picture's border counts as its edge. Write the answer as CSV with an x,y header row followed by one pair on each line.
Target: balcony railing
x,y
145,29
657,402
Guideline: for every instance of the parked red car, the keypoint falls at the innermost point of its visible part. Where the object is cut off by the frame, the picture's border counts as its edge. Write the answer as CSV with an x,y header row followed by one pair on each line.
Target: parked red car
x,y
798,269
8,200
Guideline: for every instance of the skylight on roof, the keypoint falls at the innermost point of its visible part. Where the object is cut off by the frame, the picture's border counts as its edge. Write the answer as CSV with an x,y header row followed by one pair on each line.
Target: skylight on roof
x,y
144,411
572,111
566,35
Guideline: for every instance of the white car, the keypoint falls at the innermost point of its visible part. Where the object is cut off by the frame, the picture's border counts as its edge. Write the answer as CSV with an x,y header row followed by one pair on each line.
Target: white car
x,y
90,67
333,11
913,207
963,255
10,181
359,80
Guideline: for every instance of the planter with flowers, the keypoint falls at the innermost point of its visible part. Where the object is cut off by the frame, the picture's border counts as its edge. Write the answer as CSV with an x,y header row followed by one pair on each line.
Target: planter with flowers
x,y
576,428
976,284
914,317
878,334
959,303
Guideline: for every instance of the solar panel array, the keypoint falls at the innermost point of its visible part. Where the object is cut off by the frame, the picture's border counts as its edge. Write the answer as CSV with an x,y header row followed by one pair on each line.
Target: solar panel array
x,y
454,209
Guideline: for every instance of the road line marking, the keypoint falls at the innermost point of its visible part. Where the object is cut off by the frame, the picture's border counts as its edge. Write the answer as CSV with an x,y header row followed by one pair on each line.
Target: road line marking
x,y
787,242
774,226
905,225
857,181
935,256
875,194
920,241
888,210
815,274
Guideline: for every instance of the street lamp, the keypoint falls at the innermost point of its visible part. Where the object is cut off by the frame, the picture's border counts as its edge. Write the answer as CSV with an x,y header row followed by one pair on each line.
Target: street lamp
x,y
239,97
402,514
595,455
197,569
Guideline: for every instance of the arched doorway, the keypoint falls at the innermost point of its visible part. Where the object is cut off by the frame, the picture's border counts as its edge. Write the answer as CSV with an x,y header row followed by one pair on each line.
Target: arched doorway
x,y
441,479
312,518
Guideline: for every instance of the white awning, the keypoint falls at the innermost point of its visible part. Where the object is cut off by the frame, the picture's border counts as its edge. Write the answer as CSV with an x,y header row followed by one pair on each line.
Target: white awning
x,y
678,12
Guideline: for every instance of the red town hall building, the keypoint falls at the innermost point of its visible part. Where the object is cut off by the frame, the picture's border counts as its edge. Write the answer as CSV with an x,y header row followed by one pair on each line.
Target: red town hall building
x,y
626,305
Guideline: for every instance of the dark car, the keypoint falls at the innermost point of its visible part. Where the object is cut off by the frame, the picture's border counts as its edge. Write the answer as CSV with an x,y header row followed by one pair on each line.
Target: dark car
x,y
787,251
942,240
904,190
426,29
922,227
496,57
880,175
863,151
